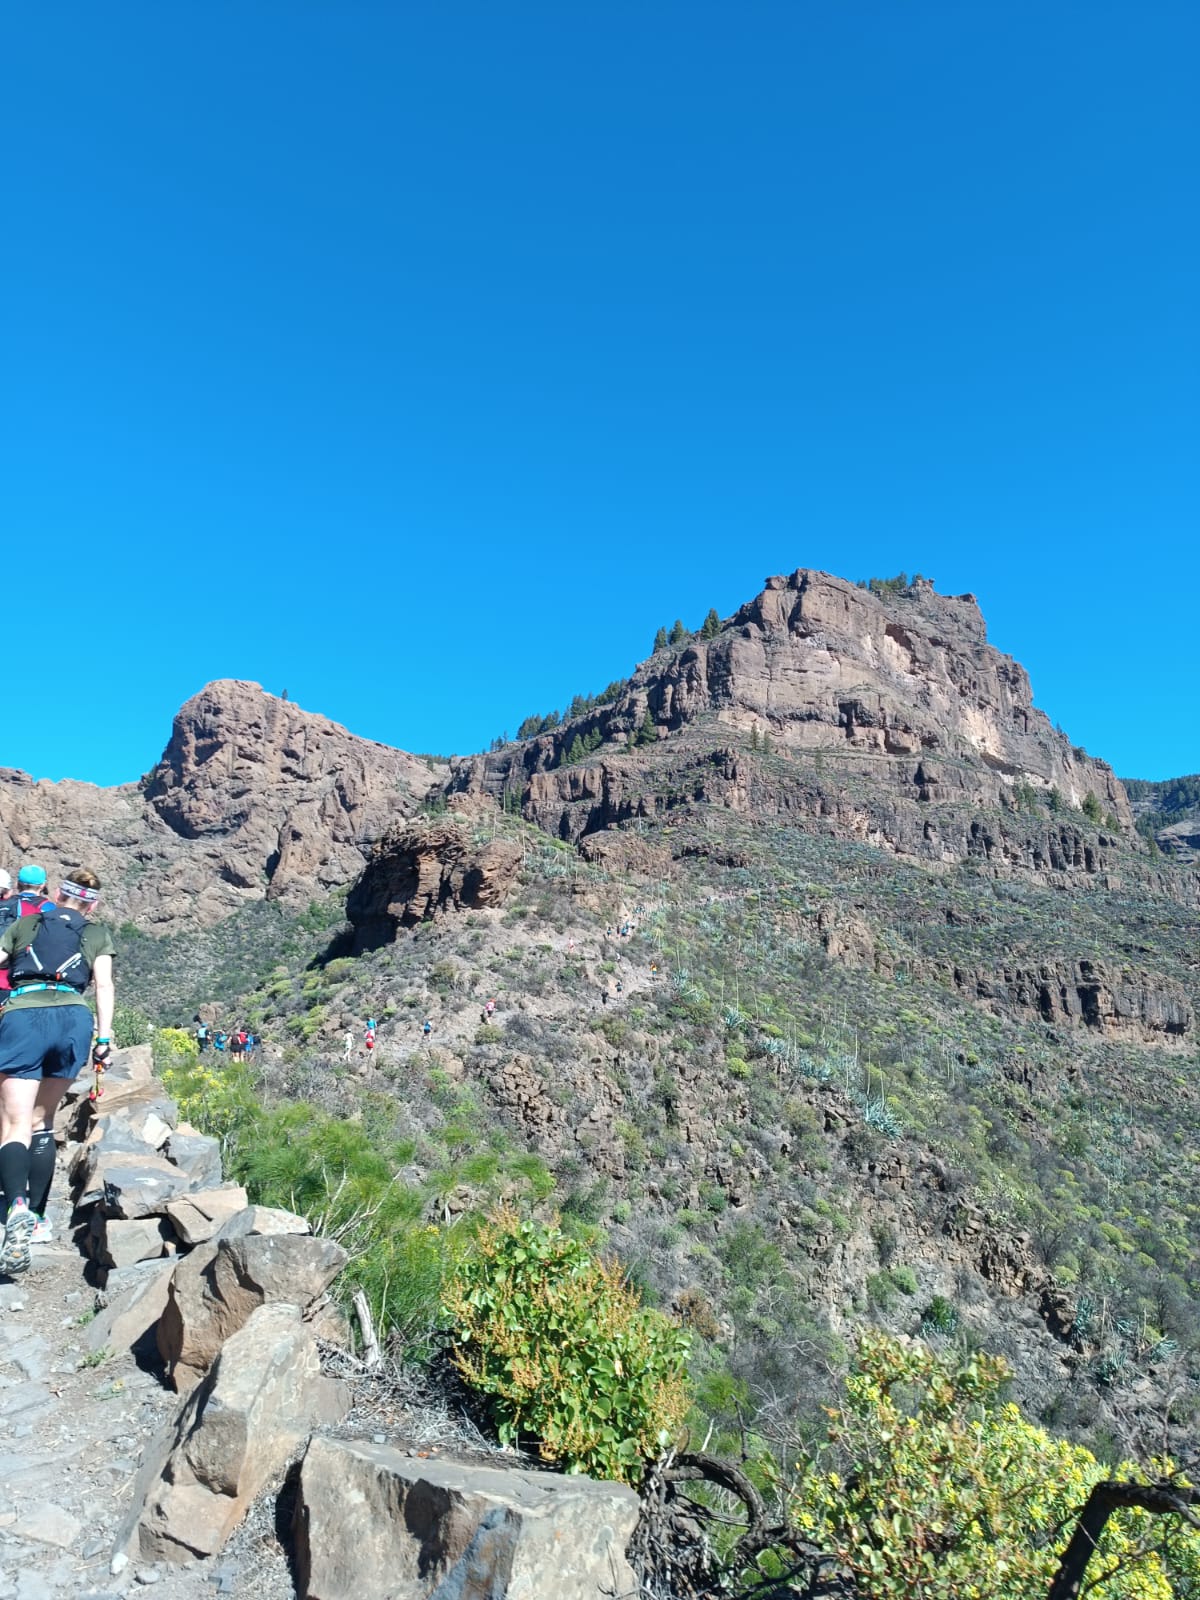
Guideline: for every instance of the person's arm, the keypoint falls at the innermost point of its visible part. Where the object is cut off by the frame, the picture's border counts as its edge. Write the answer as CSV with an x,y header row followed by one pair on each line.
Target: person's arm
x,y
102,973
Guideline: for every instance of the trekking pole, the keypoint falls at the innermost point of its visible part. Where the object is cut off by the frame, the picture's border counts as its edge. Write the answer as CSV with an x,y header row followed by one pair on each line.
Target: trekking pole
x,y
101,1051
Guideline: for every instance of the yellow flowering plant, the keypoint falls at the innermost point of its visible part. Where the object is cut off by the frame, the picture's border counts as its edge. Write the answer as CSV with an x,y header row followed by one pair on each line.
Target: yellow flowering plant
x,y
948,1494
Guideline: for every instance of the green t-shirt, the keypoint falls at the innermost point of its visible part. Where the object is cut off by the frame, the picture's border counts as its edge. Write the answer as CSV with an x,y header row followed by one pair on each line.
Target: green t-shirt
x,y
96,940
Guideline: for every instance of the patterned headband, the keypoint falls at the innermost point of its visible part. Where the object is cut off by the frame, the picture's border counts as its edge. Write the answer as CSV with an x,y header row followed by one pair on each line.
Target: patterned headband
x,y
76,891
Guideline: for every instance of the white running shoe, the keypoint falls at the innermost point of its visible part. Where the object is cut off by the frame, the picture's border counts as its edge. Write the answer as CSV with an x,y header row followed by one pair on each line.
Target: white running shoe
x,y
14,1255
43,1230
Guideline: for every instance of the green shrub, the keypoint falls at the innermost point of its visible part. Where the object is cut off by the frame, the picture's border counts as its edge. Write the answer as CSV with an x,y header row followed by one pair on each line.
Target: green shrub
x,y
939,1316
881,1290
130,1026
488,1033
565,1350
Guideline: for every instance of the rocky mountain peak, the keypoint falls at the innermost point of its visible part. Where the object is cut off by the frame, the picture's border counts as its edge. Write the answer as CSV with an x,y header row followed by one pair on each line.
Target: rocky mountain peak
x,y
252,797
896,696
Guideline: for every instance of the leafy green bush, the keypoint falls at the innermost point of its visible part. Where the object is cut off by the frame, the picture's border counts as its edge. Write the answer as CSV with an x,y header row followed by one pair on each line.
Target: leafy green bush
x,y
130,1026
939,1316
565,1350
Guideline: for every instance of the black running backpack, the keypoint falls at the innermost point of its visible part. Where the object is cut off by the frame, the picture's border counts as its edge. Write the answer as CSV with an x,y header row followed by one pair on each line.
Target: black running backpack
x,y
54,953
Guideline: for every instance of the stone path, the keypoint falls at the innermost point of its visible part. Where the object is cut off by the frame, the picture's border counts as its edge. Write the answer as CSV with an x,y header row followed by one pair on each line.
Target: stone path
x,y
71,1434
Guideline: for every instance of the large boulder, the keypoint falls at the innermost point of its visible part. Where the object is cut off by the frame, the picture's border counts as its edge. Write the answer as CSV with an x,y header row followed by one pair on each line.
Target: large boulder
x,y
198,1155
231,1436
197,1217
135,1298
130,1185
214,1290
379,1525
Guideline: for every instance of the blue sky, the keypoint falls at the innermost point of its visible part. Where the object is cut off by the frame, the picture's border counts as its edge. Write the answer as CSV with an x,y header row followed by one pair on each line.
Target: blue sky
x,y
421,360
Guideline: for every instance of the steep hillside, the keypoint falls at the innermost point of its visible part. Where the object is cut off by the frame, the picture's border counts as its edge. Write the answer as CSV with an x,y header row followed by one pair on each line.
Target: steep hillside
x,y
809,1087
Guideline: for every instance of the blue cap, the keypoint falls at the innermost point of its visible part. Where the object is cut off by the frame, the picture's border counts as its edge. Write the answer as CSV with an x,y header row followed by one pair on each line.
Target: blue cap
x,y
32,874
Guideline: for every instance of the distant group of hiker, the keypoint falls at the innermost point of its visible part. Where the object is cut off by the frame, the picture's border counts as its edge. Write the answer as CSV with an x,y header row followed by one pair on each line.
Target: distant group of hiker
x,y
371,1030
50,951
239,1044
369,1033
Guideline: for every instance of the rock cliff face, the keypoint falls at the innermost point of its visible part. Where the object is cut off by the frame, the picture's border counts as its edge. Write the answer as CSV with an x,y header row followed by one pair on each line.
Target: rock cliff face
x,y
421,869
906,709
252,798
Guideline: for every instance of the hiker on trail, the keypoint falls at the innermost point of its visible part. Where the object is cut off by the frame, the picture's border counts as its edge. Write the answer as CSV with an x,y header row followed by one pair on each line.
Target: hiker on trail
x,y
427,1027
489,1008
349,1044
369,1040
45,1034
219,1041
201,1036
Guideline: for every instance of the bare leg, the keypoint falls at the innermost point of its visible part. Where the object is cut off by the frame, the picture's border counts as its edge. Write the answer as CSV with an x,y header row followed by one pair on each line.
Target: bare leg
x,y
18,1097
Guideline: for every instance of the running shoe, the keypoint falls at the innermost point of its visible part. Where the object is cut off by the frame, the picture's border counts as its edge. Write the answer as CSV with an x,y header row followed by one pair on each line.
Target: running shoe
x,y
43,1230
14,1255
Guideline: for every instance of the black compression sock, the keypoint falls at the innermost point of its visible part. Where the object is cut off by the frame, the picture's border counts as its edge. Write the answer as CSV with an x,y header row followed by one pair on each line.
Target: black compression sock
x,y
41,1170
14,1173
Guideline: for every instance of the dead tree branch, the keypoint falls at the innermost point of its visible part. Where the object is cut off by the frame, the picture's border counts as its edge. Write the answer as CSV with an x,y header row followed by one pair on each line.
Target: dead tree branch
x,y
1163,1499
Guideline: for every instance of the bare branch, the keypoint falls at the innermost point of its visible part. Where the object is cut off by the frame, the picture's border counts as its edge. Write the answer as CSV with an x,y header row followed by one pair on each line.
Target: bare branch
x,y
1162,1499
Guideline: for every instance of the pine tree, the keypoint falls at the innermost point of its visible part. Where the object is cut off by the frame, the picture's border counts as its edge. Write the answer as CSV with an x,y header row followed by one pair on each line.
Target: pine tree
x,y
576,752
647,733
660,639
754,740
711,626
678,633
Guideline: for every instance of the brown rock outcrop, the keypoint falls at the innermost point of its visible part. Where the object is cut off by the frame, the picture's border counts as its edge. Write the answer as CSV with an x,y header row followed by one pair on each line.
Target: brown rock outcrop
x,y
377,1524
917,719
229,1438
253,798
214,1291
420,869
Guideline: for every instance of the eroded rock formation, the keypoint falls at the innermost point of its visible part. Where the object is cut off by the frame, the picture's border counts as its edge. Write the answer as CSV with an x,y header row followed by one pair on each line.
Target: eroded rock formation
x,y
420,869
252,798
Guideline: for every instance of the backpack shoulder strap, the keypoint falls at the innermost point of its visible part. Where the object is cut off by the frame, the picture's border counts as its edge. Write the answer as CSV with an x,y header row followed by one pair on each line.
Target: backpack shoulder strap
x,y
27,931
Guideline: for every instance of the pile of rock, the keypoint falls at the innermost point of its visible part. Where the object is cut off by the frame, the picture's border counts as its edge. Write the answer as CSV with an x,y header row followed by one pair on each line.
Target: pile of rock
x,y
216,1289
232,1299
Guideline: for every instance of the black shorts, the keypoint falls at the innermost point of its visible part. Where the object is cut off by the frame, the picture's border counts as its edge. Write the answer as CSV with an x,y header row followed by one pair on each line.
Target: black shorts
x,y
45,1041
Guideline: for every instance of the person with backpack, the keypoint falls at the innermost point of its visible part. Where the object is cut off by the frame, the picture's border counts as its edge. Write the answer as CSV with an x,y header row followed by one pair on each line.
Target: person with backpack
x,y
45,1041
27,902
